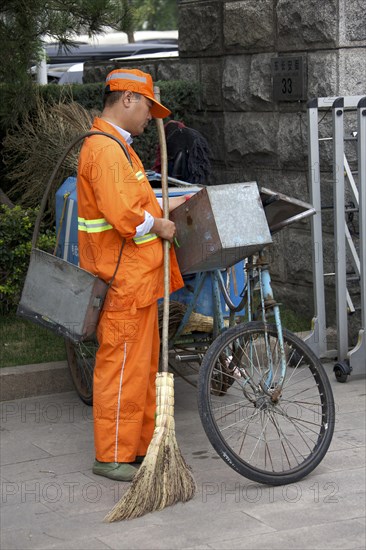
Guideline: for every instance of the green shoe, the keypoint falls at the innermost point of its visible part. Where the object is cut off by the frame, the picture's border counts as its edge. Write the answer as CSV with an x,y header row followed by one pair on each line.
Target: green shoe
x,y
118,471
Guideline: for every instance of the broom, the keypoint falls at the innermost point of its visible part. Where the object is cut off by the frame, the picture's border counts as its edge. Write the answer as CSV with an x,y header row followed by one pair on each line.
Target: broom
x,y
197,322
163,478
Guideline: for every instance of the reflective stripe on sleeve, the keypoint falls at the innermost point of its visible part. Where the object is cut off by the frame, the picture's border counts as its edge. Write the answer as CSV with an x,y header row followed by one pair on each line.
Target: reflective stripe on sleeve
x,y
93,226
139,175
145,238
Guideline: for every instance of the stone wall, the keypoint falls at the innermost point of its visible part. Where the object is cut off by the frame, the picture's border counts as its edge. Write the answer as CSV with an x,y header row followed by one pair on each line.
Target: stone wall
x,y
256,138
227,46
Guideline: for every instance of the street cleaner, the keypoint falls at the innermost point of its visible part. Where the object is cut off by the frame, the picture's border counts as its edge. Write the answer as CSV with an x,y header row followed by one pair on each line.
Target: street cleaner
x,y
117,207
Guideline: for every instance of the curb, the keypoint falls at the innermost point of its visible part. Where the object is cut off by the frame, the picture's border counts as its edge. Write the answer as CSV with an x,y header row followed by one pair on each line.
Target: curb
x,y
31,380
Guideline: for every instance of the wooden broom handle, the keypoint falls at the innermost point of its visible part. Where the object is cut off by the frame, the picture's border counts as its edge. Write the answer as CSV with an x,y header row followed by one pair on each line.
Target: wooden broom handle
x,y
166,244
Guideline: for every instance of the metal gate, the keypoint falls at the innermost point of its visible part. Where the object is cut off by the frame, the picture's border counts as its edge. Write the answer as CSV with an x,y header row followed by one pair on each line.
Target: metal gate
x,y
345,249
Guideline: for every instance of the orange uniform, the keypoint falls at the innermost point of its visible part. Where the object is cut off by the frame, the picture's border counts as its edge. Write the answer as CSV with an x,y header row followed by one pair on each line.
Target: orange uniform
x,y
112,199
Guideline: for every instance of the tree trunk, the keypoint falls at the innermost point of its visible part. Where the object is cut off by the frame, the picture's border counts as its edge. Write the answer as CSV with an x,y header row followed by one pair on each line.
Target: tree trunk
x,y
4,199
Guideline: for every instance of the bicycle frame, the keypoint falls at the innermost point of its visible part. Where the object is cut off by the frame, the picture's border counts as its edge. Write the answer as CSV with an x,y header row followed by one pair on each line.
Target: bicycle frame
x,y
267,304
256,268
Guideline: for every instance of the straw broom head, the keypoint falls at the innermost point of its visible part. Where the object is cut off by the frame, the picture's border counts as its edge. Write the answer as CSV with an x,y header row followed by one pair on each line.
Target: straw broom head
x,y
196,322
164,477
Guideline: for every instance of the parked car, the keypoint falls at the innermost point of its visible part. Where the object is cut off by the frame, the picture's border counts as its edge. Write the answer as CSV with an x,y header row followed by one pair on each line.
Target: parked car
x,y
85,52
65,65
69,74
111,37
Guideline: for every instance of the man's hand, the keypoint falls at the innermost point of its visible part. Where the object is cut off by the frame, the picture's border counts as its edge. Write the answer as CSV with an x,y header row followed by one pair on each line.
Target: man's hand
x,y
177,201
164,228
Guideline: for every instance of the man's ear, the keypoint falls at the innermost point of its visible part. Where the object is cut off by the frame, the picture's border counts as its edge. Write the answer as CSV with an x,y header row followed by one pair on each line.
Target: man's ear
x,y
126,98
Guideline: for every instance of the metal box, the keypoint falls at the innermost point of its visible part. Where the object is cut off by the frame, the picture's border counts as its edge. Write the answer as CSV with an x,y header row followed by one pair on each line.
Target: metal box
x,y
61,296
219,226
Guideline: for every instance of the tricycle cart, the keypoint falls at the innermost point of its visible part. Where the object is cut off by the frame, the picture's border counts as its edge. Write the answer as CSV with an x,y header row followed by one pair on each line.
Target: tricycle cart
x,y
264,398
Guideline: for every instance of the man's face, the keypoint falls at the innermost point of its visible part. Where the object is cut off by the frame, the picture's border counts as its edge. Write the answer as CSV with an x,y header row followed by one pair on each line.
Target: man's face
x,y
139,114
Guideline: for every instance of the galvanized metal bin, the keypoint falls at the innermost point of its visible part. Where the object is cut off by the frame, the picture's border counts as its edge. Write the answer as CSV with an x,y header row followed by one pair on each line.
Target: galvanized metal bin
x,y
219,226
61,296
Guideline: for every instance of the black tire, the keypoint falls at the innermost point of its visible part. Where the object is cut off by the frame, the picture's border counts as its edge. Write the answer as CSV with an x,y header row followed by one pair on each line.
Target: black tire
x,y
340,376
81,360
264,438
342,370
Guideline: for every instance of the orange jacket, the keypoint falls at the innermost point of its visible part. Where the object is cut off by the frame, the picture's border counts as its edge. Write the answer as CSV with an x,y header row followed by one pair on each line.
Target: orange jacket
x,y
112,198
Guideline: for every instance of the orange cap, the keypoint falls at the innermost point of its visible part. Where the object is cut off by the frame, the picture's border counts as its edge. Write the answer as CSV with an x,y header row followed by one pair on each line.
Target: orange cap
x,y
136,81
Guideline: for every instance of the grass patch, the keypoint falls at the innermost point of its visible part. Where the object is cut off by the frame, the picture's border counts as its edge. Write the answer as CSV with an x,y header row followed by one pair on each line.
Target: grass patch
x,y
293,321
24,343
290,319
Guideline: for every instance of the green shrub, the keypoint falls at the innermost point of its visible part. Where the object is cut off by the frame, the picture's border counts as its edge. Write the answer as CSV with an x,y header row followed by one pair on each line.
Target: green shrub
x,y
35,139
181,97
88,96
16,231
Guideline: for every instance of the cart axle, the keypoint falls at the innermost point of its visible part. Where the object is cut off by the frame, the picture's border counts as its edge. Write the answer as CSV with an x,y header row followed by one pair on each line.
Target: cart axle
x,y
189,357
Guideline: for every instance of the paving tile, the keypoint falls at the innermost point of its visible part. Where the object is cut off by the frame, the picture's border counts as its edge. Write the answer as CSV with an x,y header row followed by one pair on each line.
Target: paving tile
x,y
51,499
63,408
19,448
24,539
48,468
3,478
347,534
349,397
356,438
44,442
77,544
319,493
156,530
76,494
344,459
171,534
339,443
293,513
28,539
58,532
362,520
29,511
351,421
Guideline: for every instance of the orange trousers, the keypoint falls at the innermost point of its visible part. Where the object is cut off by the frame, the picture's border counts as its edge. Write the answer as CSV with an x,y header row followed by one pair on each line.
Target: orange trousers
x,y
124,399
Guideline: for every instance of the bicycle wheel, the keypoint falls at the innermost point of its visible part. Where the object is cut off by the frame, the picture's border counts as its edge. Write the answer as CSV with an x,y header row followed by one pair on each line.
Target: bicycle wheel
x,y
266,437
81,360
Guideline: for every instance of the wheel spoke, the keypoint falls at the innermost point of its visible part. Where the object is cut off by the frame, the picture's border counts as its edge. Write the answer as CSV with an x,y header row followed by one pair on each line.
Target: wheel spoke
x,y
269,436
282,438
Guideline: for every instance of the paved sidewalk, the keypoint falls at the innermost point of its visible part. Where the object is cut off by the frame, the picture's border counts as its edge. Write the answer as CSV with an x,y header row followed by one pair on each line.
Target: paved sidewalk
x,y
51,499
